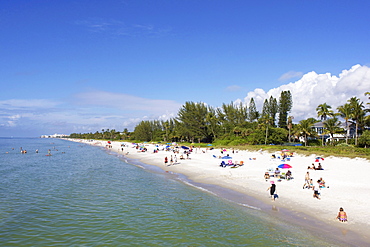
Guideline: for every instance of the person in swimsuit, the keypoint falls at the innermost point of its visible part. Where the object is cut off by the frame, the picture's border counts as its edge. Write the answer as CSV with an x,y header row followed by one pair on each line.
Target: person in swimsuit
x,y
342,216
316,193
272,189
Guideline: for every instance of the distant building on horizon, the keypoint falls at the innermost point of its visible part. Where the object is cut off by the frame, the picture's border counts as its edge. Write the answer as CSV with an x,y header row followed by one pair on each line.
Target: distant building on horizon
x,y
54,136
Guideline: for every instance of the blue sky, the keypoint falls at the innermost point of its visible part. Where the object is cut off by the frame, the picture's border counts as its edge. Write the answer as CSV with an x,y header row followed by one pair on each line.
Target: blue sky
x,y
84,65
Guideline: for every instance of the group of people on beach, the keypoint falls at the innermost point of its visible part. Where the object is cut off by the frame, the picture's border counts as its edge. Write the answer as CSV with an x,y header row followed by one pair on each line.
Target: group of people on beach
x,y
313,167
173,160
308,184
342,216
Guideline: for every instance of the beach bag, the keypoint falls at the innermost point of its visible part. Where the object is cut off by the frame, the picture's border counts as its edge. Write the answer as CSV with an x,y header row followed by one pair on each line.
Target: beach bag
x,y
276,196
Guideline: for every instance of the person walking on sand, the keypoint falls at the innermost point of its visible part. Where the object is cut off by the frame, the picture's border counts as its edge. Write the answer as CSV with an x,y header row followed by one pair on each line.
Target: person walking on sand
x,y
342,216
272,189
165,160
316,193
306,181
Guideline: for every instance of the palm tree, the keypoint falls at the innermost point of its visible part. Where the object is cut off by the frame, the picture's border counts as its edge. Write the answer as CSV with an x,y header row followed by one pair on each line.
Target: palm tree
x,y
345,112
305,128
112,134
332,126
357,112
323,111
367,118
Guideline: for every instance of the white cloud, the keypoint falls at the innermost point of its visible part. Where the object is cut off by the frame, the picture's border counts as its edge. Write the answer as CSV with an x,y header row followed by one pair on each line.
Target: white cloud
x,y
12,120
233,88
314,89
90,111
119,28
126,102
289,75
23,104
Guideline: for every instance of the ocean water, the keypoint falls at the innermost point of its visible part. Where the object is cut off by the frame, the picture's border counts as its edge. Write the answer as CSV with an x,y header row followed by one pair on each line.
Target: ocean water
x,y
83,195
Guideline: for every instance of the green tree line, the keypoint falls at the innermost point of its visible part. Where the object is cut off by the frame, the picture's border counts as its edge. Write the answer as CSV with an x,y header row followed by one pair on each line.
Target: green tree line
x,y
236,124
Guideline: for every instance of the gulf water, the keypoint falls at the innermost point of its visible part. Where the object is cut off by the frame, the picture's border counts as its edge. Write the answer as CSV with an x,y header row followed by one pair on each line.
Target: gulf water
x,y
83,195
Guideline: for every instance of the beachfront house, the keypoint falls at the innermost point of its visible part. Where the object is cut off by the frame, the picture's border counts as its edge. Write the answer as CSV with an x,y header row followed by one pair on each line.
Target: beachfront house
x,y
319,129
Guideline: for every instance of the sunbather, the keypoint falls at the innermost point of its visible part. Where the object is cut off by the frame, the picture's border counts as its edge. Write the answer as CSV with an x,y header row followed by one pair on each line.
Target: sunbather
x,y
342,216
267,176
288,175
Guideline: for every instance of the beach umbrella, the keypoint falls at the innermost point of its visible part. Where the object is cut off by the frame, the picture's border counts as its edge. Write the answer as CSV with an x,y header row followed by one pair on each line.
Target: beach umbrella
x,y
209,145
284,166
285,150
318,159
184,147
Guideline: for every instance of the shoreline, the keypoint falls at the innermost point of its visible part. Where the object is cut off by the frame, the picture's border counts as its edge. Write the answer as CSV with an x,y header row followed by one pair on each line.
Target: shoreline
x,y
294,205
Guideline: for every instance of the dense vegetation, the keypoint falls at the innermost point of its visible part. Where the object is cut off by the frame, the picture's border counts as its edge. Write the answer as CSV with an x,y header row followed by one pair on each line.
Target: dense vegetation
x,y
238,124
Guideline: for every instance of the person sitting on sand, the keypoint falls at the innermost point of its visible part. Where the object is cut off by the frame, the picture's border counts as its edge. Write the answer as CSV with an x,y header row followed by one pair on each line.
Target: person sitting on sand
x,y
223,164
319,167
182,157
321,183
267,176
342,216
288,175
277,173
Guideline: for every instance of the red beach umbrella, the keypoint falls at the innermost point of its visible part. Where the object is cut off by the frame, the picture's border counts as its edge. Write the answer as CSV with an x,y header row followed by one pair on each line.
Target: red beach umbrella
x,y
318,159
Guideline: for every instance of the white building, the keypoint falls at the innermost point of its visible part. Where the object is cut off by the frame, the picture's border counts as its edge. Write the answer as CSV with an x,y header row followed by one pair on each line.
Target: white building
x,y
54,136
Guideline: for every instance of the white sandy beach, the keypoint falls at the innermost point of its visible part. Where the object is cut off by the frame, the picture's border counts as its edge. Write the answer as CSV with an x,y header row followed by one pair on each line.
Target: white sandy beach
x,y
347,180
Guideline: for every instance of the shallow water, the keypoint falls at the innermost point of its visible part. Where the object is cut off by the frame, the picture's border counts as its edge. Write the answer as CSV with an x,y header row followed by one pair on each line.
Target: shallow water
x,y
85,196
